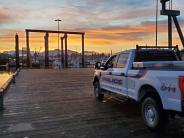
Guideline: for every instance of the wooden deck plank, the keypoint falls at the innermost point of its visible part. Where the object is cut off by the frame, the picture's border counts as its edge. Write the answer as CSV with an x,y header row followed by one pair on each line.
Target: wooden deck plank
x,y
51,103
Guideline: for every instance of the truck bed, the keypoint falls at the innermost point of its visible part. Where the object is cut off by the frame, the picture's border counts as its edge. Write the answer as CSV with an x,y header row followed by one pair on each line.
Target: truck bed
x,y
160,65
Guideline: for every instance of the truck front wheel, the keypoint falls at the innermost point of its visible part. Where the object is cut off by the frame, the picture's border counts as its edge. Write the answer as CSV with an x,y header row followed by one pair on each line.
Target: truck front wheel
x,y
153,114
97,91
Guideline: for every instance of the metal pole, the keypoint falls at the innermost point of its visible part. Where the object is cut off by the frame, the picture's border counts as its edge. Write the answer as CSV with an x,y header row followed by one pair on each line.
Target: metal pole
x,y
171,4
17,50
179,30
169,31
58,20
157,23
58,41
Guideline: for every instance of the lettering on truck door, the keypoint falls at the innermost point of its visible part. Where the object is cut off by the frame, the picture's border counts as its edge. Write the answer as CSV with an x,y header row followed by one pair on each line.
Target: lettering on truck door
x,y
106,79
119,79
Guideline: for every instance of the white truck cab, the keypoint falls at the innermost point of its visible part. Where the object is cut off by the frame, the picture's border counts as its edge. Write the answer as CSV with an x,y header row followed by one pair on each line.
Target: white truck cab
x,y
152,76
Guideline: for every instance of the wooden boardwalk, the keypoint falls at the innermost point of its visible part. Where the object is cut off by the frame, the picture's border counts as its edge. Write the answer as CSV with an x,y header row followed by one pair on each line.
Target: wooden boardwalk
x,y
60,104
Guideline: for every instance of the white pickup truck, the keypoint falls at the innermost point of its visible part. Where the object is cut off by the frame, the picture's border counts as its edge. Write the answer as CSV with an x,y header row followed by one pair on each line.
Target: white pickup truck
x,y
152,76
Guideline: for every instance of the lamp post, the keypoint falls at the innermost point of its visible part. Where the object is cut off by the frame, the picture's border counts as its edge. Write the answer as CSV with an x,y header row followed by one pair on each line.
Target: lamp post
x,y
58,20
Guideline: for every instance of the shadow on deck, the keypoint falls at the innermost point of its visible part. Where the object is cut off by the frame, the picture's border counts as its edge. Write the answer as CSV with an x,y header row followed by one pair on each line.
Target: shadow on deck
x,y
51,103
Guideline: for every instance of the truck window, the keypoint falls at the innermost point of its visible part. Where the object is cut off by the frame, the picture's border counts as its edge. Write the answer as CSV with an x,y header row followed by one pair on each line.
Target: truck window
x,y
155,55
122,60
111,62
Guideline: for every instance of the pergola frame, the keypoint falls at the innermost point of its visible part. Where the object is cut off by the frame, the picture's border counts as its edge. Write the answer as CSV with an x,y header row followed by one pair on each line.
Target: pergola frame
x,y
47,32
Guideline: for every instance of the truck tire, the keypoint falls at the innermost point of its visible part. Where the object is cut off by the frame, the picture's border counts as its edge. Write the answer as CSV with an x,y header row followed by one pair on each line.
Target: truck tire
x,y
97,91
154,117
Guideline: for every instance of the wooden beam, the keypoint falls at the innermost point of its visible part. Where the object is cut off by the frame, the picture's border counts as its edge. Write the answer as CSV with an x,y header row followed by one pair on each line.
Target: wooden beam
x,y
66,47
51,31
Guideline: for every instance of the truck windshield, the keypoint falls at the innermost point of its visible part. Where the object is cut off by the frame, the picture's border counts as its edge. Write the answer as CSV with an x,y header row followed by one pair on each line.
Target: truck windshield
x,y
155,55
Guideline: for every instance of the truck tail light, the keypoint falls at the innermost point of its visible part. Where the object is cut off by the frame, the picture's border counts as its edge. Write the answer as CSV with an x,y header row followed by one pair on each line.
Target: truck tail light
x,y
181,85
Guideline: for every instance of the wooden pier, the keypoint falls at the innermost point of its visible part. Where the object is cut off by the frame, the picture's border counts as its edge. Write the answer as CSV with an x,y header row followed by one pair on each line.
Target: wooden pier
x,y
60,104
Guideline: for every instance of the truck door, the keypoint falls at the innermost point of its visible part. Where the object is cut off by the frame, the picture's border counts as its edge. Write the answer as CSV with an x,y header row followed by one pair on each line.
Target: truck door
x,y
105,80
119,73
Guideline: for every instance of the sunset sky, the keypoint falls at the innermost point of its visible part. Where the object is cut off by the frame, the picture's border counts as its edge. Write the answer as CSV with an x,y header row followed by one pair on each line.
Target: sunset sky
x,y
109,24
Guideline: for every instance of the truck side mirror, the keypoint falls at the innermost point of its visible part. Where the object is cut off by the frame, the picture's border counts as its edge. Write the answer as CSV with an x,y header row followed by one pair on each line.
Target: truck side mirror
x,y
98,65
103,67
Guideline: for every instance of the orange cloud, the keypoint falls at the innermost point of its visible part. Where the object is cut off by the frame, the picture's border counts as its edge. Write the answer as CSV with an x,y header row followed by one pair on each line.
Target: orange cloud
x,y
100,39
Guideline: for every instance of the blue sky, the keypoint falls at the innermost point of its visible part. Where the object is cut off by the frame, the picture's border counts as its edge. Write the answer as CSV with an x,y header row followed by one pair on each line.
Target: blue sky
x,y
89,13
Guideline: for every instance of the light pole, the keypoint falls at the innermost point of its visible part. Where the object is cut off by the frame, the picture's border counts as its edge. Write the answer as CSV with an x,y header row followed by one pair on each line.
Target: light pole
x,y
58,20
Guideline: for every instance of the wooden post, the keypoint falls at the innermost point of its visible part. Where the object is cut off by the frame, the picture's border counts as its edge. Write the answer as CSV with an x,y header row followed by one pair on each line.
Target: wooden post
x,y
66,52
46,50
83,62
1,100
62,53
28,49
17,51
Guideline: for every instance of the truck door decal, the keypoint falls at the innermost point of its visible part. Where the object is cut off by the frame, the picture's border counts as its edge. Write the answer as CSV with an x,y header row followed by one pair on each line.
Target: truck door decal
x,y
113,80
140,74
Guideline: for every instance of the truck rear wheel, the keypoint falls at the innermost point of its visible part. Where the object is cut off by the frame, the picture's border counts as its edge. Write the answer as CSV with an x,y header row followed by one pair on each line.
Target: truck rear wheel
x,y
97,91
153,114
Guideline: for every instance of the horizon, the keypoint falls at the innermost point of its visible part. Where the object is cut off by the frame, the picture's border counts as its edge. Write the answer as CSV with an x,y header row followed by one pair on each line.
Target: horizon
x,y
108,25
54,50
